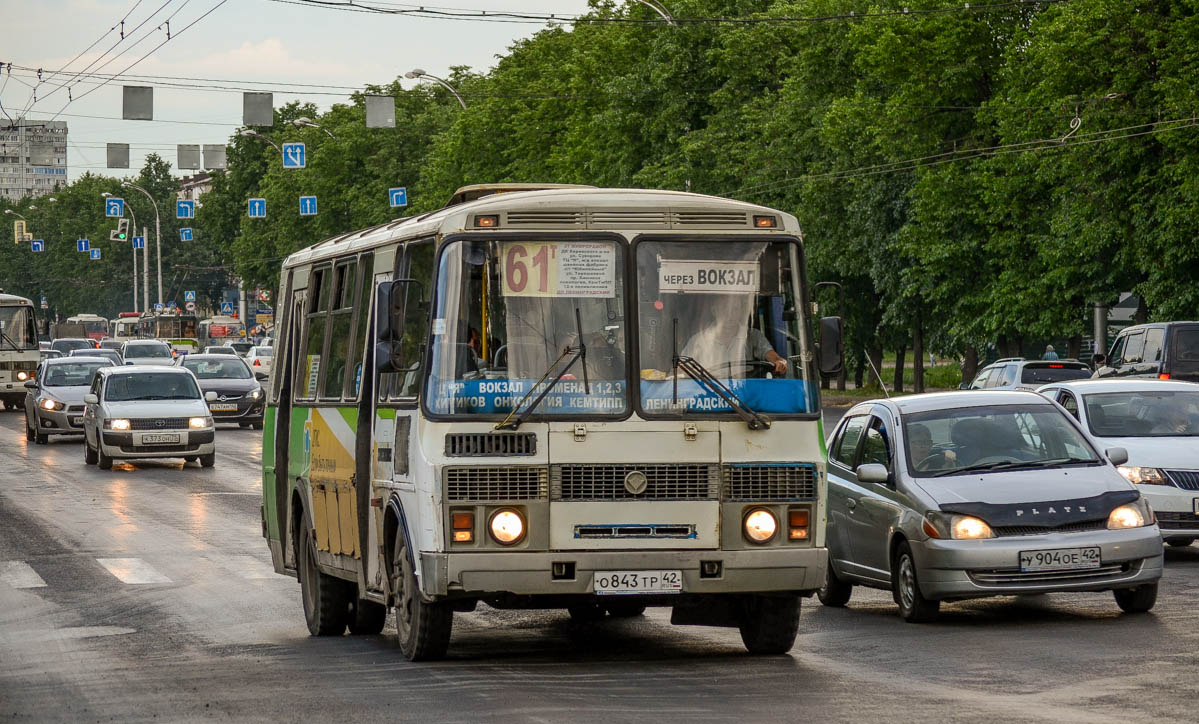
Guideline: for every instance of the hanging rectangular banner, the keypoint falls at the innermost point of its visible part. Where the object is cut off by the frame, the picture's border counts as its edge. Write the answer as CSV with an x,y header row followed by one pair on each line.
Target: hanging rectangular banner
x,y
118,155
708,277
188,156
257,109
138,103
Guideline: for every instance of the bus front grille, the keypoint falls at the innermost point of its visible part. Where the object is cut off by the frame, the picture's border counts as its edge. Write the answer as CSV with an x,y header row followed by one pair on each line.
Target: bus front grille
x,y
780,481
490,444
608,482
496,483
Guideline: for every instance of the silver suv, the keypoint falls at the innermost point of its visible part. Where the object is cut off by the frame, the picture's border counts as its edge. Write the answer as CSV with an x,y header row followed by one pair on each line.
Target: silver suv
x,y
1017,373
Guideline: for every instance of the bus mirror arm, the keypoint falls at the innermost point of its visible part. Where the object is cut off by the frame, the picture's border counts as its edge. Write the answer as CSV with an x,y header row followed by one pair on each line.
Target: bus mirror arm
x,y
831,352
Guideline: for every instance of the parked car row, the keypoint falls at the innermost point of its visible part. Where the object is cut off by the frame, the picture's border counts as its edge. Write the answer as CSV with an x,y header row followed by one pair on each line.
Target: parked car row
x,y
951,496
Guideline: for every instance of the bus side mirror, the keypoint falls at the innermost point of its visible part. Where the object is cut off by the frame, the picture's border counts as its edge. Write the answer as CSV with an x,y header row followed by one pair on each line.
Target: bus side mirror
x,y
831,355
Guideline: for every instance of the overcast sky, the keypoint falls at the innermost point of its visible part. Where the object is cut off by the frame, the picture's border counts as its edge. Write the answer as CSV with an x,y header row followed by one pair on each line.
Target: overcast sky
x,y
261,40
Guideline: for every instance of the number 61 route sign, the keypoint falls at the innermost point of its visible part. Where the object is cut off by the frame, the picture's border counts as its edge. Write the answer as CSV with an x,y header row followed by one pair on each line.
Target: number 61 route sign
x,y
554,269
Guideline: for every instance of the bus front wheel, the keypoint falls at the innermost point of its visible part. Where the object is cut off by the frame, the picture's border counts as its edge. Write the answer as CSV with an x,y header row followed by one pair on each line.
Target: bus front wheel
x,y
423,627
769,624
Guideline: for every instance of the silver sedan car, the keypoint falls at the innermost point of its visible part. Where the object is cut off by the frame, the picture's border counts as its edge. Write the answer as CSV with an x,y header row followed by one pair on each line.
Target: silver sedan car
x,y
54,403
951,496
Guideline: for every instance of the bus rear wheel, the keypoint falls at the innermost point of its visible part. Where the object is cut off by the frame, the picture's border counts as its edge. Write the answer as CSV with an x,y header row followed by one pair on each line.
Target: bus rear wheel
x,y
769,624
326,605
423,627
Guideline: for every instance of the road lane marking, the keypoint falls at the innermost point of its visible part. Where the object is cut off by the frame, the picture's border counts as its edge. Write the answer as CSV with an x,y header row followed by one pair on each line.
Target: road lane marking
x,y
19,574
250,567
132,570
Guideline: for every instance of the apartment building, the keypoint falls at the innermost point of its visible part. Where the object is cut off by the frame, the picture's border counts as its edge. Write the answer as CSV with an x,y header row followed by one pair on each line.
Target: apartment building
x,y
33,157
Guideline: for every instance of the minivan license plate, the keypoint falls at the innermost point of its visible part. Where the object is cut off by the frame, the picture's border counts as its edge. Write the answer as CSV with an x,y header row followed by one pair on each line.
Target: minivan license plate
x,y
1059,559
625,583
160,439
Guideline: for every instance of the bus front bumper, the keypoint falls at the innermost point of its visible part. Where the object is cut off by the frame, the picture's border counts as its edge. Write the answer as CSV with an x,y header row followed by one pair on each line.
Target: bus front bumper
x,y
532,574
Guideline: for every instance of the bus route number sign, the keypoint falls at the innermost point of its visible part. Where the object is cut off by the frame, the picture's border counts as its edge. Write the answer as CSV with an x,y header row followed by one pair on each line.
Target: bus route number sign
x,y
552,269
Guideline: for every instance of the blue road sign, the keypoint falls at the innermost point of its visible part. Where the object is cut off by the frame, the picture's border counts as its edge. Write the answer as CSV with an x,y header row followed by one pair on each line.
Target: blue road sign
x,y
307,206
95,254
189,295
139,242
257,208
227,309
185,234
295,155
170,305
185,209
397,197
38,245
158,307
114,207
82,245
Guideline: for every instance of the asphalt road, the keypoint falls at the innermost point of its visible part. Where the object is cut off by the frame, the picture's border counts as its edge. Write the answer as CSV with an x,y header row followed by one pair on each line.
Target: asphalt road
x,y
146,593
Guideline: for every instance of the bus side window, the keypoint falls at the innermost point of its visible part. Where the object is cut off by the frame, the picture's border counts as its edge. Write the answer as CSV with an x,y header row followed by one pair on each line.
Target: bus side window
x,y
312,365
366,280
419,263
340,325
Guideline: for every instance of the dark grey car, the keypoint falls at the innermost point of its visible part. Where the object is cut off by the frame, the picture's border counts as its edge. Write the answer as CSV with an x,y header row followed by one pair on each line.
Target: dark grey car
x,y
240,397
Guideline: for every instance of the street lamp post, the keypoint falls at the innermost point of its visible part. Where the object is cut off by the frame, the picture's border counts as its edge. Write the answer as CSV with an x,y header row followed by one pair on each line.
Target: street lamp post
x,y
157,236
248,133
22,218
418,73
660,9
303,122
107,195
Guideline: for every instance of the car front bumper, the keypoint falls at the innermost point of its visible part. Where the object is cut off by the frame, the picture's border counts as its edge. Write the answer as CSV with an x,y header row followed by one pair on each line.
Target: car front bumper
x,y
58,422
248,410
1177,510
950,569
741,571
127,444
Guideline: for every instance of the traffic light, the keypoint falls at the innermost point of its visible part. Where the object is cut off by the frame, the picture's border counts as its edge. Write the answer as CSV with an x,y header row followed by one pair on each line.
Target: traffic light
x,y
121,233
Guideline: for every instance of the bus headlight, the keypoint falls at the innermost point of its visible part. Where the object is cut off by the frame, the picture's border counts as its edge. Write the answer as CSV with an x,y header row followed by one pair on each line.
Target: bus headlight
x,y
760,526
22,376
507,527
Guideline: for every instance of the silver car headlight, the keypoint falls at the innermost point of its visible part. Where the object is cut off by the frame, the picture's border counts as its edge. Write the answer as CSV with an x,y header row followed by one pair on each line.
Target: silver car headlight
x,y
1132,515
256,393
1143,476
52,405
956,527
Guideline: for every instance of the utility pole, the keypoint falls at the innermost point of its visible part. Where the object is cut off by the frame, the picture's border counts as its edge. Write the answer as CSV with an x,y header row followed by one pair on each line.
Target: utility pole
x,y
145,273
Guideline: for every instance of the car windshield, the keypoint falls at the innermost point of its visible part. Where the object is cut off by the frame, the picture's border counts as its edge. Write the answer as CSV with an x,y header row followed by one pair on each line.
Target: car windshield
x,y
151,386
1148,413
218,369
976,438
66,345
142,351
16,326
1041,373
511,315
220,350
263,352
71,374
731,307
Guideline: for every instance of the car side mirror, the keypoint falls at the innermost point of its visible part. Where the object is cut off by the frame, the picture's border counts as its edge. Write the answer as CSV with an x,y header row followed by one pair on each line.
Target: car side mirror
x,y
31,385
210,396
261,376
1117,455
1098,359
91,398
964,386
831,352
872,473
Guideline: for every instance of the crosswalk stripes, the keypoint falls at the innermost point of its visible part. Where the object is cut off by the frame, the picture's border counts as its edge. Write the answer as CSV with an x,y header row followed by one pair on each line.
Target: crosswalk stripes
x,y
20,574
134,571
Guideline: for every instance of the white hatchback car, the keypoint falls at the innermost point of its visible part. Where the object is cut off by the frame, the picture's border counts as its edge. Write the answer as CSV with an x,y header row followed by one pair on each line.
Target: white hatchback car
x,y
147,352
147,412
259,358
1157,422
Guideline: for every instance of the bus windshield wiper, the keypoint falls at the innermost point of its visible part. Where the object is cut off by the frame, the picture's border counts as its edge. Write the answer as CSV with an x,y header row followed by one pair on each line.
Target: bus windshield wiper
x,y
696,371
576,353
8,339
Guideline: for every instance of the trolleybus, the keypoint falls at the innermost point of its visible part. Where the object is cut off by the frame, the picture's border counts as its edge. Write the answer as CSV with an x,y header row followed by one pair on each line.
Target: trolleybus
x,y
220,330
94,326
19,353
589,399
126,326
178,329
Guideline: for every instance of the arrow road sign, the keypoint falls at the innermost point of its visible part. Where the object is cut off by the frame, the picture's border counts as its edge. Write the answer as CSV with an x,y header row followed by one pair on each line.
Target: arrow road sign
x,y
307,206
397,197
170,305
227,309
95,254
257,208
189,295
185,234
82,245
185,209
158,307
139,242
114,207
294,155
38,245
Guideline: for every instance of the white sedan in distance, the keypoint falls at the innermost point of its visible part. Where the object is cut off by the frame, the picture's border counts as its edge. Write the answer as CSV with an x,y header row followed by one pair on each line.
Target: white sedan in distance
x,y
1157,422
147,352
147,412
259,358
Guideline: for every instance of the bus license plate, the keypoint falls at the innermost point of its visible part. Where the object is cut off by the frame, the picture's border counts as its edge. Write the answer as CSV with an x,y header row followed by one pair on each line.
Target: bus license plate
x,y
223,407
160,439
624,583
1059,559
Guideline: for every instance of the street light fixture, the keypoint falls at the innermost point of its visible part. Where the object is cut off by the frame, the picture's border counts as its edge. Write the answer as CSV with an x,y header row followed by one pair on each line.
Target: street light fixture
x,y
248,133
157,237
303,122
660,9
416,73
10,211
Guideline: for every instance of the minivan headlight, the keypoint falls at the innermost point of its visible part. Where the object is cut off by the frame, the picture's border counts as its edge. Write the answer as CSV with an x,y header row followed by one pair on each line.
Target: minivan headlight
x,y
1125,516
117,423
967,527
199,423
1143,476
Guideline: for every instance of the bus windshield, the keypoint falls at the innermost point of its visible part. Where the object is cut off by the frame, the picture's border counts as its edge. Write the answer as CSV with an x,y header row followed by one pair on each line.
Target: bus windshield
x,y
16,328
731,308
510,315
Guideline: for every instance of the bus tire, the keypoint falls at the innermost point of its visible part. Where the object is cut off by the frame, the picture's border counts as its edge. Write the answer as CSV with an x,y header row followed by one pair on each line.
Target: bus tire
x,y
769,624
104,461
89,455
423,627
366,617
326,605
